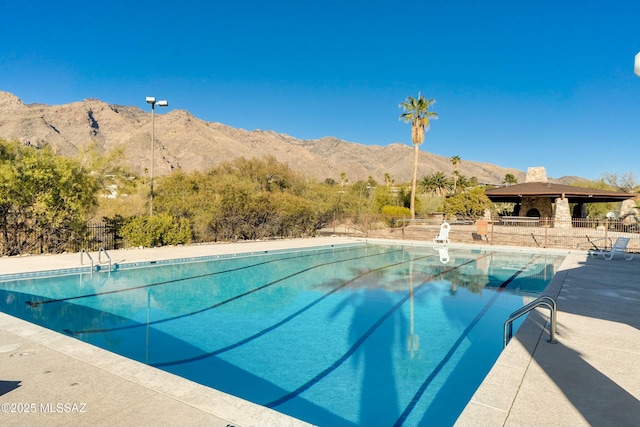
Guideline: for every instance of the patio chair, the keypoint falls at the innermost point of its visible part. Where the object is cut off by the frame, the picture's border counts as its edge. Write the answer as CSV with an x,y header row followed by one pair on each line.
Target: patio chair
x,y
619,247
443,236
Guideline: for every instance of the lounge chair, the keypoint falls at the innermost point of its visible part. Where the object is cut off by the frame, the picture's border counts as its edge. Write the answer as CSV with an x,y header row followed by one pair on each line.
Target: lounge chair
x,y
443,237
619,247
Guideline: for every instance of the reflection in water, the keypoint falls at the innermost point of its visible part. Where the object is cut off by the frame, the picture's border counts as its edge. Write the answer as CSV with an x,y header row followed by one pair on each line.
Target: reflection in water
x,y
378,391
378,357
413,340
146,355
443,251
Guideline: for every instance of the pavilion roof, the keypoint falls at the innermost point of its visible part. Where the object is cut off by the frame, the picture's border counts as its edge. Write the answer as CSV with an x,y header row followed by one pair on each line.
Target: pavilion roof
x,y
515,193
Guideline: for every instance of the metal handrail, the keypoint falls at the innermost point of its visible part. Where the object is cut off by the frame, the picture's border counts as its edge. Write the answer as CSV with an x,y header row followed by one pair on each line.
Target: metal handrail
x,y
100,251
545,301
85,251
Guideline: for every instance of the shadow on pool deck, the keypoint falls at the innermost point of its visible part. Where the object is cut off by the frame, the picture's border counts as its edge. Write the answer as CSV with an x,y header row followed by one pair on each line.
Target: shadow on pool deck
x,y
7,386
591,377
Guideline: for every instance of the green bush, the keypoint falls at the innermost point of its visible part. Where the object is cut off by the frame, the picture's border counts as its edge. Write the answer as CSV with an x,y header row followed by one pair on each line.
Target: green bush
x,y
45,200
158,230
471,203
429,203
393,213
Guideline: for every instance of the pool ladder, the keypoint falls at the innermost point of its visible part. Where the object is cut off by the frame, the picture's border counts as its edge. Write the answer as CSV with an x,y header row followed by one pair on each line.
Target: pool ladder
x,y
543,301
100,252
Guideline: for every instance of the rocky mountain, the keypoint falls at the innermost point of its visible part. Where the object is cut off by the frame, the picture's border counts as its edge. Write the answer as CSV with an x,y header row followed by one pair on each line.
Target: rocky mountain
x,y
186,142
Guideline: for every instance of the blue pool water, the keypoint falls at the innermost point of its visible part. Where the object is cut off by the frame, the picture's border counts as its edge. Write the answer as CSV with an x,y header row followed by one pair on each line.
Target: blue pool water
x,y
339,336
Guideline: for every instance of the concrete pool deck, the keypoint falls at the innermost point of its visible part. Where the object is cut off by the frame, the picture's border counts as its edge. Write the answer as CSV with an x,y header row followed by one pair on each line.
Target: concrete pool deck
x,y
591,377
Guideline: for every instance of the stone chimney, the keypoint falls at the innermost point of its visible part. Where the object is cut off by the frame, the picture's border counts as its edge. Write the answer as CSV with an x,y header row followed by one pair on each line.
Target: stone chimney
x,y
536,174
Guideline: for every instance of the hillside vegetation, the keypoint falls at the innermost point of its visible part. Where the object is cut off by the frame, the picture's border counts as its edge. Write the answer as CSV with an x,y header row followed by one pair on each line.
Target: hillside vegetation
x,y
184,142
48,201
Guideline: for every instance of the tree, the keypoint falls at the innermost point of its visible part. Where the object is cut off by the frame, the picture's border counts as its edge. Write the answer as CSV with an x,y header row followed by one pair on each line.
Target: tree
x,y
246,199
455,161
343,179
625,182
471,203
598,210
45,199
267,173
436,183
108,169
510,179
417,112
388,181
463,183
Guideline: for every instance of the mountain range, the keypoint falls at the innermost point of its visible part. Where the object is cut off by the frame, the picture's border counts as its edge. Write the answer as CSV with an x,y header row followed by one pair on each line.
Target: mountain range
x,y
188,143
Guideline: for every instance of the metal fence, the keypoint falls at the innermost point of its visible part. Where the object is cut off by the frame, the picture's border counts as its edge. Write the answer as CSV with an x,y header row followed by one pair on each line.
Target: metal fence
x,y
581,234
36,242
96,236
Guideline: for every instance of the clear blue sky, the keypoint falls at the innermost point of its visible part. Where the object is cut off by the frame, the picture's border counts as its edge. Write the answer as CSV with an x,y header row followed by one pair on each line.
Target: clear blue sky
x,y
516,83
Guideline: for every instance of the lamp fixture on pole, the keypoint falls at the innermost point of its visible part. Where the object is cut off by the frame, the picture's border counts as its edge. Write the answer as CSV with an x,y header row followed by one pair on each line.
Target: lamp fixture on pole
x,y
152,100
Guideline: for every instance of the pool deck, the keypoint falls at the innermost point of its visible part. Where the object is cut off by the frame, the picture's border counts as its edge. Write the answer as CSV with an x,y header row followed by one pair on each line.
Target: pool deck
x,y
590,377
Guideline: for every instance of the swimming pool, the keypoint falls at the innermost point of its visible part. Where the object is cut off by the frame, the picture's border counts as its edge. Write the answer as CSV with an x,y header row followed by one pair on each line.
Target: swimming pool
x,y
348,335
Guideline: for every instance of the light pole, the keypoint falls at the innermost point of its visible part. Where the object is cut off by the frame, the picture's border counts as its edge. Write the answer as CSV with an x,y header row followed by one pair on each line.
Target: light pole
x,y
152,100
636,68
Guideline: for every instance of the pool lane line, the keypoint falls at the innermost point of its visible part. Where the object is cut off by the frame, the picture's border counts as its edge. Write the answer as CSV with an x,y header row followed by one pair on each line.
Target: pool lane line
x,y
319,377
306,254
286,319
218,304
418,395
166,282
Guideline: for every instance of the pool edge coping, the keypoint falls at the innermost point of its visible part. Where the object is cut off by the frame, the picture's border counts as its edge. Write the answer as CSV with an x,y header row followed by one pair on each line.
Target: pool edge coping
x,y
490,405
245,407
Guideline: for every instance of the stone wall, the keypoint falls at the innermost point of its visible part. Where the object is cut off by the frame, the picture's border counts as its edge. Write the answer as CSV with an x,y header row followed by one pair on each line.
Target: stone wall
x,y
559,211
542,204
562,214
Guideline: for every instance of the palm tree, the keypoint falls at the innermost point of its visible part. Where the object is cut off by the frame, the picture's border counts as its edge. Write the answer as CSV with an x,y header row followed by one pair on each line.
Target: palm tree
x,y
455,160
388,180
425,184
463,182
416,112
343,179
436,183
440,184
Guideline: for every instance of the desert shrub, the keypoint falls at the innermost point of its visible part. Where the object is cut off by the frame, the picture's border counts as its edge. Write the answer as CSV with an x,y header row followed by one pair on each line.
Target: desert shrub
x,y
158,230
429,203
391,214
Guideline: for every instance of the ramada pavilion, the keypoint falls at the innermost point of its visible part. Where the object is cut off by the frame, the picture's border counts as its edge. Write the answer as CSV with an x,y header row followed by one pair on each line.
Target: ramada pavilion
x,y
539,198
